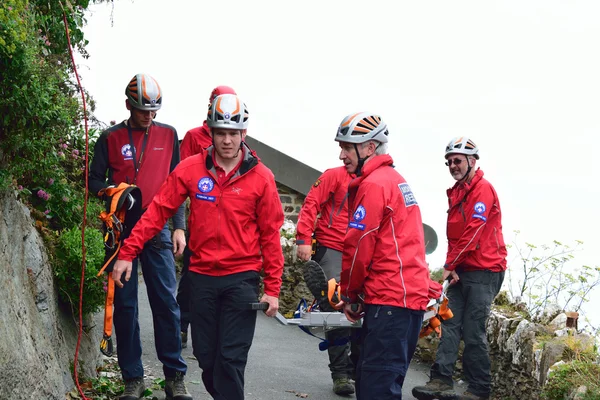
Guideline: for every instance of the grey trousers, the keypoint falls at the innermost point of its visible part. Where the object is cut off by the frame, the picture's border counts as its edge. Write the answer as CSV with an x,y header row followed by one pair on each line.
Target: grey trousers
x,y
470,301
342,358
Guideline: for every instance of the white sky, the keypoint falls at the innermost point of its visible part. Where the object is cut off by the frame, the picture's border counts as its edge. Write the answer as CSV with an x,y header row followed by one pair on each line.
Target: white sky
x,y
522,79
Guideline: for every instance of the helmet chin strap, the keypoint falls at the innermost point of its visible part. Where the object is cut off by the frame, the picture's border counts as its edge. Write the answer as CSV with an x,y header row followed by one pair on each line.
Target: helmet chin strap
x,y
464,178
361,161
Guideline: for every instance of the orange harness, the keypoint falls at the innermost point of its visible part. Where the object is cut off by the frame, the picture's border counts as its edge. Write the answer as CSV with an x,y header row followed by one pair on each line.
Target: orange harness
x,y
443,313
118,218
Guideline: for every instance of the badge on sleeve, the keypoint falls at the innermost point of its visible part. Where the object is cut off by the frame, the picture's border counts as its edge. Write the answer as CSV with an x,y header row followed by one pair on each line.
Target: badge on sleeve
x,y
409,197
479,210
317,183
358,216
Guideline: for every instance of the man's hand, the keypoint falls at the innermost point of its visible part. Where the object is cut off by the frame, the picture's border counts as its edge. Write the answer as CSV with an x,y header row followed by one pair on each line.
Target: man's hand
x,y
353,315
178,241
304,252
273,304
120,267
452,274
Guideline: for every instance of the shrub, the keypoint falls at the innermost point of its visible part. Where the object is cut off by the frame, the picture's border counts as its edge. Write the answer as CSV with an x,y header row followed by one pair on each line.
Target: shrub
x,y
567,378
67,268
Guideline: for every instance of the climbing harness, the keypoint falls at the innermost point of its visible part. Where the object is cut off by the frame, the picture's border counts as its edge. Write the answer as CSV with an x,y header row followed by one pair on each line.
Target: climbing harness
x,y
123,210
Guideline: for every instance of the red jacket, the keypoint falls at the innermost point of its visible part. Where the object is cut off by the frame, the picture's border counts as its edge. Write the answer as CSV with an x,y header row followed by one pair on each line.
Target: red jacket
x,y
474,228
329,197
233,228
384,248
113,153
195,141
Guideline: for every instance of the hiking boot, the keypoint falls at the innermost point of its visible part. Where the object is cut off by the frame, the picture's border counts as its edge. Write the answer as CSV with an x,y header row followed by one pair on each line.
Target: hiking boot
x,y
343,386
134,389
434,389
175,388
316,281
471,396
184,340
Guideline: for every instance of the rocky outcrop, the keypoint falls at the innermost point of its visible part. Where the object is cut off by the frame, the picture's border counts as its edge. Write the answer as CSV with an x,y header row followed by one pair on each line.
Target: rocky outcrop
x,y
37,337
522,352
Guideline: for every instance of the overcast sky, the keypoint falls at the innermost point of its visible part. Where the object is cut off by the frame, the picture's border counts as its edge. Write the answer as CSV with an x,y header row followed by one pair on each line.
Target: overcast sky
x,y
521,78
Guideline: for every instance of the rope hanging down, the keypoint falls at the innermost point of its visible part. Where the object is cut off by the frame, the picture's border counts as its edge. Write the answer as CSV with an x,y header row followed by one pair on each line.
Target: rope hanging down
x,y
85,202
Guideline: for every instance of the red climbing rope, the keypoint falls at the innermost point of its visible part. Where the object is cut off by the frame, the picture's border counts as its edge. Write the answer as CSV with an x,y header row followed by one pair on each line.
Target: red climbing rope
x,y
85,201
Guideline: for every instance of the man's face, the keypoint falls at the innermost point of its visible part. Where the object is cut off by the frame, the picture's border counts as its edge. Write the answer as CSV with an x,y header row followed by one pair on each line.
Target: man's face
x,y
350,158
140,119
227,142
458,164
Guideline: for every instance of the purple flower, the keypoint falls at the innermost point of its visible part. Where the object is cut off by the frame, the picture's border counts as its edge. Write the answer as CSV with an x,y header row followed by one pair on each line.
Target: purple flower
x,y
50,181
19,187
64,145
41,194
75,152
65,198
61,154
47,212
9,8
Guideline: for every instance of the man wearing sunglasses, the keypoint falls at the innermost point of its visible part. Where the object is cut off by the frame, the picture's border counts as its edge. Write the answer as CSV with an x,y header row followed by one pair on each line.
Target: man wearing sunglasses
x,y
475,263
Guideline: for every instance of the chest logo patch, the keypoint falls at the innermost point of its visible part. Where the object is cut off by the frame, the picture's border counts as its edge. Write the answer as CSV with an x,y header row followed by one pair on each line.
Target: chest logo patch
x,y
409,197
206,184
126,152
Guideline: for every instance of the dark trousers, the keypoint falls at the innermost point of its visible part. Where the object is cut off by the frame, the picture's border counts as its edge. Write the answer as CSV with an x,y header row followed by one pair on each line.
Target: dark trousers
x,y
183,290
342,358
470,301
158,268
389,339
223,329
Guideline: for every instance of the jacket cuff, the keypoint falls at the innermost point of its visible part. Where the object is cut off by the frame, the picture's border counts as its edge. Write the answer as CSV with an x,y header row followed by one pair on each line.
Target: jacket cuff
x,y
448,267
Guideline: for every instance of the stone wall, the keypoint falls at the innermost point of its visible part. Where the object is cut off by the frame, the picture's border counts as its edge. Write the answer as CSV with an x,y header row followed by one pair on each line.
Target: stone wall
x,y
37,337
522,352
291,201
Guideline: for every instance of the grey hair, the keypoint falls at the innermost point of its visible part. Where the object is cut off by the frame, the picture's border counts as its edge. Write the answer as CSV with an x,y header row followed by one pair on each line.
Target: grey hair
x,y
380,148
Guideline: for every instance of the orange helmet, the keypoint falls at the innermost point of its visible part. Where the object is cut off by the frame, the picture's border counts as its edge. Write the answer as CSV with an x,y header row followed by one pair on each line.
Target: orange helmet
x,y
227,111
219,90
143,93
462,145
362,127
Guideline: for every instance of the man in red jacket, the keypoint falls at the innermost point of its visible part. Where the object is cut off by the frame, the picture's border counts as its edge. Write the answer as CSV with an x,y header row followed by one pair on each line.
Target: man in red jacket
x,y
143,152
475,262
385,278
329,198
195,140
235,218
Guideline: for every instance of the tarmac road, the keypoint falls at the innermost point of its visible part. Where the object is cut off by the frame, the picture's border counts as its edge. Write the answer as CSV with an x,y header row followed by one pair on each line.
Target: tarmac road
x,y
284,363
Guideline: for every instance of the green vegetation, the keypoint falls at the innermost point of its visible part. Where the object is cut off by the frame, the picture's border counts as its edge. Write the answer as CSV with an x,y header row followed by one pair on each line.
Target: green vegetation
x,y
569,377
42,137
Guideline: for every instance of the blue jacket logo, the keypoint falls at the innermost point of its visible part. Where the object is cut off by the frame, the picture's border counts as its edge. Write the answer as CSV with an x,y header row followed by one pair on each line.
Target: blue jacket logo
x,y
206,184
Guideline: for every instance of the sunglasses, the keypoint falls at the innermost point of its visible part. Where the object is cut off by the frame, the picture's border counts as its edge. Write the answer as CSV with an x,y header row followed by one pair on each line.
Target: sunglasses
x,y
456,161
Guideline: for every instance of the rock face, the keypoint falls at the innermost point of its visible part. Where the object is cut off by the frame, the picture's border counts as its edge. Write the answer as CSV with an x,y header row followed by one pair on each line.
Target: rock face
x,y
522,352
37,337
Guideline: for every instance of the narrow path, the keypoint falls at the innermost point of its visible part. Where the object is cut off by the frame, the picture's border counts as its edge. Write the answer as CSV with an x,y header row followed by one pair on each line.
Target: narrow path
x,y
284,363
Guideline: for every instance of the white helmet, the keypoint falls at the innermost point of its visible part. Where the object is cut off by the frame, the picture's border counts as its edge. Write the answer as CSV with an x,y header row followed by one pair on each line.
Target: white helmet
x,y
462,145
362,127
227,111
143,93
